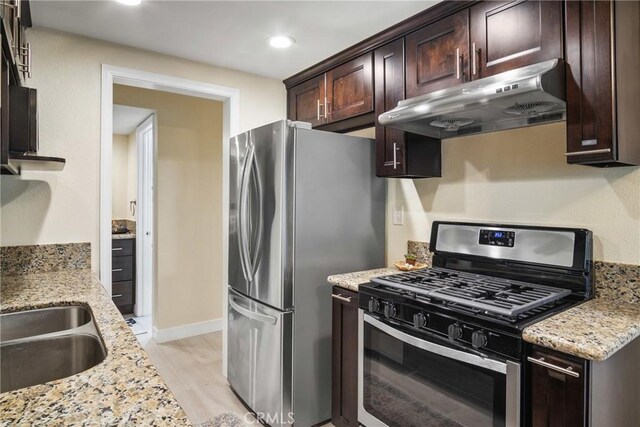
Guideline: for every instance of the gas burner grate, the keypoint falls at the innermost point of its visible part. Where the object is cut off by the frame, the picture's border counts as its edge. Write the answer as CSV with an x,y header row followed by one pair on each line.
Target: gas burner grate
x,y
492,295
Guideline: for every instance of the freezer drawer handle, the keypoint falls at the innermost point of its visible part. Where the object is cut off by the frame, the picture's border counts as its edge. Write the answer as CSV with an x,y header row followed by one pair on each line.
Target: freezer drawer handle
x,y
116,249
265,318
567,371
115,270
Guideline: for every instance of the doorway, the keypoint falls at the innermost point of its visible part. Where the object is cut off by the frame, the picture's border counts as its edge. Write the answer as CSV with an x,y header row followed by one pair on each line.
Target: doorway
x,y
133,147
230,117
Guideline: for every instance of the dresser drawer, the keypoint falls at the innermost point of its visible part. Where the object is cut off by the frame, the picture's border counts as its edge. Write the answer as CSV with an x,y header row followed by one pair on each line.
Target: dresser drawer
x,y
121,269
122,293
122,247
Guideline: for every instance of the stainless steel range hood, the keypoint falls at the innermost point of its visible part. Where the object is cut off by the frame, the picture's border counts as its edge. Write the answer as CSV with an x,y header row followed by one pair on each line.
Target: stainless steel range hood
x,y
523,97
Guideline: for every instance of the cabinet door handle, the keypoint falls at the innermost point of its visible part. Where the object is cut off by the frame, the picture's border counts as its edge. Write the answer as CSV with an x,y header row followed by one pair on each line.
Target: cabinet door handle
x,y
318,111
586,153
116,249
326,108
567,371
341,298
458,63
116,296
476,53
115,270
395,156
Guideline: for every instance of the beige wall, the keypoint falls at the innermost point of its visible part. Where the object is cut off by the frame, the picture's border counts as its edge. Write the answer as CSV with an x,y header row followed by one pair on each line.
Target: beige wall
x,y
189,197
63,207
521,176
120,176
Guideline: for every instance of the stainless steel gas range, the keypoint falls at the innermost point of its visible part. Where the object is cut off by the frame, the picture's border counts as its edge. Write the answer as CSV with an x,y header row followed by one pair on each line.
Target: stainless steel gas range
x,y
443,346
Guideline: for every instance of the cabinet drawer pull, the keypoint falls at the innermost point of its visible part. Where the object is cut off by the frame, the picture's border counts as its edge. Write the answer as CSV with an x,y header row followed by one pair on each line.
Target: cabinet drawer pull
x,y
341,298
115,270
586,153
568,370
116,249
116,296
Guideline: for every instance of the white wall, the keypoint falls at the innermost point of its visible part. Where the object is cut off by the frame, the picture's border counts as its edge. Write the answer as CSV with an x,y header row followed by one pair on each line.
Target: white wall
x,y
521,176
132,174
120,176
40,208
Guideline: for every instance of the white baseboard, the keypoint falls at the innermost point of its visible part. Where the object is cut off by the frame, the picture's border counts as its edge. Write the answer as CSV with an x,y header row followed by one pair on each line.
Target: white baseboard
x,y
186,331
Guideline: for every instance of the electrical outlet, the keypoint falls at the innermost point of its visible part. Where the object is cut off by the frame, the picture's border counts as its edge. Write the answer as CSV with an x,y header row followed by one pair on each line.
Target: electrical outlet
x,y
398,215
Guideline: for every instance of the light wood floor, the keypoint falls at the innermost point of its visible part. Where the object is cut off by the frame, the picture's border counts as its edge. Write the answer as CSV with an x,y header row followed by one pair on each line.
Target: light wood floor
x,y
192,368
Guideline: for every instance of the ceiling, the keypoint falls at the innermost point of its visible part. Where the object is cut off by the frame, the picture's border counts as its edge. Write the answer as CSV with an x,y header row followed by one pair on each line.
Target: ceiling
x,y
126,119
230,33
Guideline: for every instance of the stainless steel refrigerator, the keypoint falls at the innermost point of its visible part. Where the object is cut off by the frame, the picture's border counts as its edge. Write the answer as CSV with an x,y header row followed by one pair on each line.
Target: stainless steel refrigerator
x,y
304,204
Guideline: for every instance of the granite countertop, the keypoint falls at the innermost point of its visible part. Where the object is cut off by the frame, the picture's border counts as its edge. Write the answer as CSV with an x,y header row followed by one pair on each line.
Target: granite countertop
x,y
129,235
594,330
351,281
123,389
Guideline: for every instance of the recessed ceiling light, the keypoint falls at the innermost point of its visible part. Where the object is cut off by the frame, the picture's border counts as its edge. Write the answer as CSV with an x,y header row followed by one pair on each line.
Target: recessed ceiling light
x,y
280,42
130,2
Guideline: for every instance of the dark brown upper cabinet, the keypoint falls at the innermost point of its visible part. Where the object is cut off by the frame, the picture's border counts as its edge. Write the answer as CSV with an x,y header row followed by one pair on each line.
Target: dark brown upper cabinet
x,y
511,34
603,88
399,154
350,89
306,101
341,93
437,55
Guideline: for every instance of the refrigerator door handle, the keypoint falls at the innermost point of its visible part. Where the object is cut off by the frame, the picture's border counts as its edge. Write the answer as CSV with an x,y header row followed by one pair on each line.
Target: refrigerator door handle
x,y
264,318
242,213
257,187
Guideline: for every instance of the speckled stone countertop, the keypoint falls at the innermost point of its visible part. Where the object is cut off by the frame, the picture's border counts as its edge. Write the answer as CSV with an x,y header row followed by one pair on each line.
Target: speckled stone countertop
x,y
598,328
594,330
351,281
124,389
123,236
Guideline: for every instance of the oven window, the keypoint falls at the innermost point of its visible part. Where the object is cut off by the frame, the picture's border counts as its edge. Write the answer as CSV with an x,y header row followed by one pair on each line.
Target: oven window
x,y
405,386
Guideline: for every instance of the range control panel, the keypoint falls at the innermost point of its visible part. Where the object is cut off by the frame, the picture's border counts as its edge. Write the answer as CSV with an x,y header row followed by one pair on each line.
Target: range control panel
x,y
497,238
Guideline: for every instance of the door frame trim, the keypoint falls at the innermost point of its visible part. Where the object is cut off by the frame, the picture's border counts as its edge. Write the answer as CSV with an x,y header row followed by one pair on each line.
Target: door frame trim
x,y
229,96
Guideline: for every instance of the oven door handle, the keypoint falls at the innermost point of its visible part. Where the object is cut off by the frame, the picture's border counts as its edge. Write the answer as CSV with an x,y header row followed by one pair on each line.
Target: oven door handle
x,y
472,359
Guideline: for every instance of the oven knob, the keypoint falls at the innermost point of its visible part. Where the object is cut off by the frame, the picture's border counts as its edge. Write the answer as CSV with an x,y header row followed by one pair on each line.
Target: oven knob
x,y
479,339
455,331
390,310
374,305
419,320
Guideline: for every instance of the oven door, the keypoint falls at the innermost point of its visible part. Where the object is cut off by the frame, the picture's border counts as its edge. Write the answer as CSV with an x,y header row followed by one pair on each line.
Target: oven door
x,y
407,379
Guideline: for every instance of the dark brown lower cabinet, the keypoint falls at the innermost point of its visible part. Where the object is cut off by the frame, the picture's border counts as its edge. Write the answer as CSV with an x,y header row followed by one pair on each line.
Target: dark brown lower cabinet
x,y
558,389
344,358
123,273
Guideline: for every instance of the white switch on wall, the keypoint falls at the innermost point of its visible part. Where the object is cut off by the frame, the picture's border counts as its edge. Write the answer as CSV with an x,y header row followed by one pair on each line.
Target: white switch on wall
x,y
398,216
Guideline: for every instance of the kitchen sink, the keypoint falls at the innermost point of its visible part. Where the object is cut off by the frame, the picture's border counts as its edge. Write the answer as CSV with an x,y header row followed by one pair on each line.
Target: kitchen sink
x,y
23,324
37,346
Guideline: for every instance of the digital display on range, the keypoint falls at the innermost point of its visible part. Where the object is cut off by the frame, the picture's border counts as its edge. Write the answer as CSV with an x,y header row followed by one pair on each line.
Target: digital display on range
x,y
497,238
